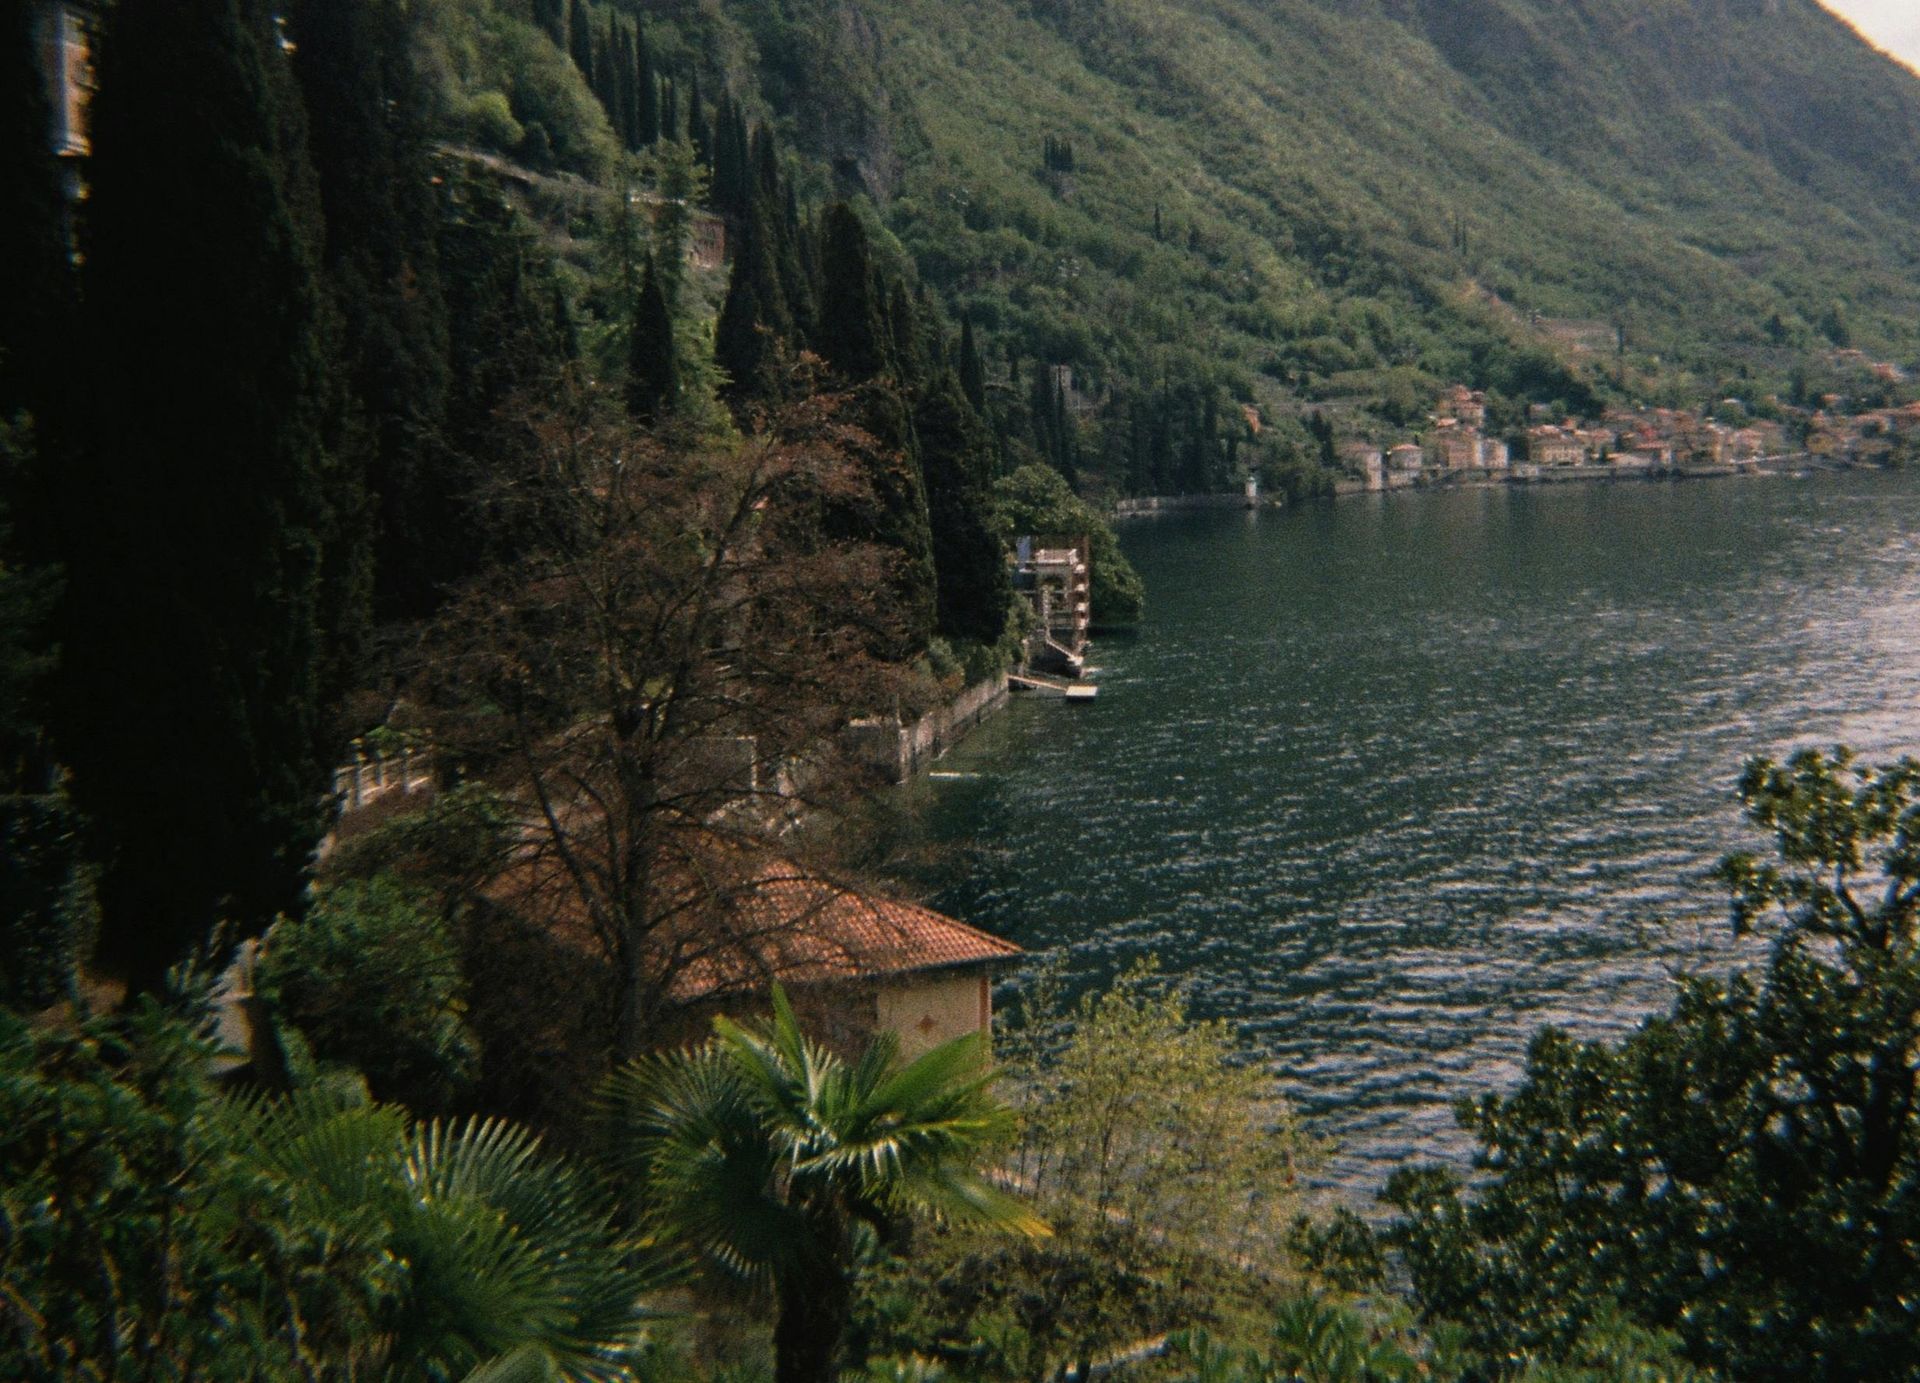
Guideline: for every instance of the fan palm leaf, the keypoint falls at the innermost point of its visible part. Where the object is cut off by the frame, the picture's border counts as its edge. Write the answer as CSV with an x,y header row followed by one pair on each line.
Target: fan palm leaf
x,y
500,1249
755,1153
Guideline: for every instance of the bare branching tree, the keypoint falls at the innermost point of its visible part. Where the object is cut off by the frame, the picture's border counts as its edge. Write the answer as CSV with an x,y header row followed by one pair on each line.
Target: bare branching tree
x,y
661,682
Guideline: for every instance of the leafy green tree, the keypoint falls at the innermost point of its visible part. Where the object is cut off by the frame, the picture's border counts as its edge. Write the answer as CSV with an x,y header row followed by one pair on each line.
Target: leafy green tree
x,y
1744,1171
371,979
1163,1158
1037,500
763,1156
1327,1340
201,515
158,1229
1132,1111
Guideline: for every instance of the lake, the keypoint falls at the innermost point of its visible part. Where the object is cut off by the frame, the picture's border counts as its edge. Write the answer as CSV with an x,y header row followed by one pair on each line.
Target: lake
x,y
1393,781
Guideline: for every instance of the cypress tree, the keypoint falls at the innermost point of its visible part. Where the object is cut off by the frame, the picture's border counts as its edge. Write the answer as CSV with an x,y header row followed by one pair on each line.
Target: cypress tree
x,y
653,381
35,307
509,332
1040,413
765,157
580,39
669,111
196,515
628,70
1160,445
973,374
773,205
648,88
851,335
604,78
911,367
43,874
741,348
754,321
551,16
971,584
733,167
370,144
720,187
699,133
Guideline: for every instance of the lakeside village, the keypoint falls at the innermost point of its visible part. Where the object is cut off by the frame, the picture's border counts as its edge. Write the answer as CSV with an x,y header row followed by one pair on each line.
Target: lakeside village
x,y
1458,448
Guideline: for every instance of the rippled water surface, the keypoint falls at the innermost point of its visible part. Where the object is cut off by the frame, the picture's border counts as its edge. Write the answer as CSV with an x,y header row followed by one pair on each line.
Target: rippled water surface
x,y
1397,780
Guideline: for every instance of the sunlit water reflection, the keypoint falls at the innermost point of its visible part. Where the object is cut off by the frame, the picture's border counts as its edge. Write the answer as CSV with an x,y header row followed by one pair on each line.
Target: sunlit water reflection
x,y
1397,780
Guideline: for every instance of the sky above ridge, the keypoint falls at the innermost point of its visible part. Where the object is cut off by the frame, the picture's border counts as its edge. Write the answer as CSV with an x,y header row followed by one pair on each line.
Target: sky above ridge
x,y
1893,25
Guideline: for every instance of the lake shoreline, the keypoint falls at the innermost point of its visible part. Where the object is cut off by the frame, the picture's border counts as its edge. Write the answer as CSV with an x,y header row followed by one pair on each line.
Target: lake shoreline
x,y
1524,476
1392,786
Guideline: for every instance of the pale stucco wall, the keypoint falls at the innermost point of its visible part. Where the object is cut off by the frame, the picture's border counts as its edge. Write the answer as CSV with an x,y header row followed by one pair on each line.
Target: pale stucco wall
x,y
926,1011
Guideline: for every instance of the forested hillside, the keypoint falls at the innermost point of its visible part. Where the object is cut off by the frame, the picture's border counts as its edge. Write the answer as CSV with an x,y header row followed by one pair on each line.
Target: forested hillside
x,y
1315,201
1311,207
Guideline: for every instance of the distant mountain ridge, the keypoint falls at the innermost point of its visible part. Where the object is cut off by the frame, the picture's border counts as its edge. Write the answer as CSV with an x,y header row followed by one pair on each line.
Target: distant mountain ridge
x,y
1359,197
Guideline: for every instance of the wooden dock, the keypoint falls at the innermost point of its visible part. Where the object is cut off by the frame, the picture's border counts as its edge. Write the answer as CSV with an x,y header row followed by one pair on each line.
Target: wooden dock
x,y
1053,686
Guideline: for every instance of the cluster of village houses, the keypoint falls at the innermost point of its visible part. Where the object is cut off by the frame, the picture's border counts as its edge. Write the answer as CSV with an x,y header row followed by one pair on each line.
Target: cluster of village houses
x,y
1457,444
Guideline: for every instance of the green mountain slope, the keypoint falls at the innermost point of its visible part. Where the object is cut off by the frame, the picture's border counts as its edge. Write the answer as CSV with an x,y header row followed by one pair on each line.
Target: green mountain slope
x,y
1359,197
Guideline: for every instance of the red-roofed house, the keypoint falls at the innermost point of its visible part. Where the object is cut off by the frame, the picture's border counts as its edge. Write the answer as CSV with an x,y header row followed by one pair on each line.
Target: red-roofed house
x,y
727,923
880,965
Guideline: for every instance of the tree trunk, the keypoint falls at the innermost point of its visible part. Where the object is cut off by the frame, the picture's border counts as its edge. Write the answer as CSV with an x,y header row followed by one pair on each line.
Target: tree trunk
x,y
814,1308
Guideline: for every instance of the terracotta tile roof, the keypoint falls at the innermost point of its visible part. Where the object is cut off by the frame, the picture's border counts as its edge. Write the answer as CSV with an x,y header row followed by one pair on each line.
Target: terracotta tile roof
x,y
800,929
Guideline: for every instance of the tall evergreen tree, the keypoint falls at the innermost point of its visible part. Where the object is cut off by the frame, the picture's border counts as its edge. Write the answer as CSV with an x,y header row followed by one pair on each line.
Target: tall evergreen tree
x,y
35,308
754,320
971,584
42,870
628,71
370,143
764,153
699,132
912,367
973,374
648,87
669,110
196,516
653,381
605,77
1042,420
779,216
851,335
732,161
580,39
510,332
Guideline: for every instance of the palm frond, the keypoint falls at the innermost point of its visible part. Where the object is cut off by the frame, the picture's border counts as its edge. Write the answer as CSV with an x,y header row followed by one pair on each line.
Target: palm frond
x,y
527,1364
961,1197
685,1129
